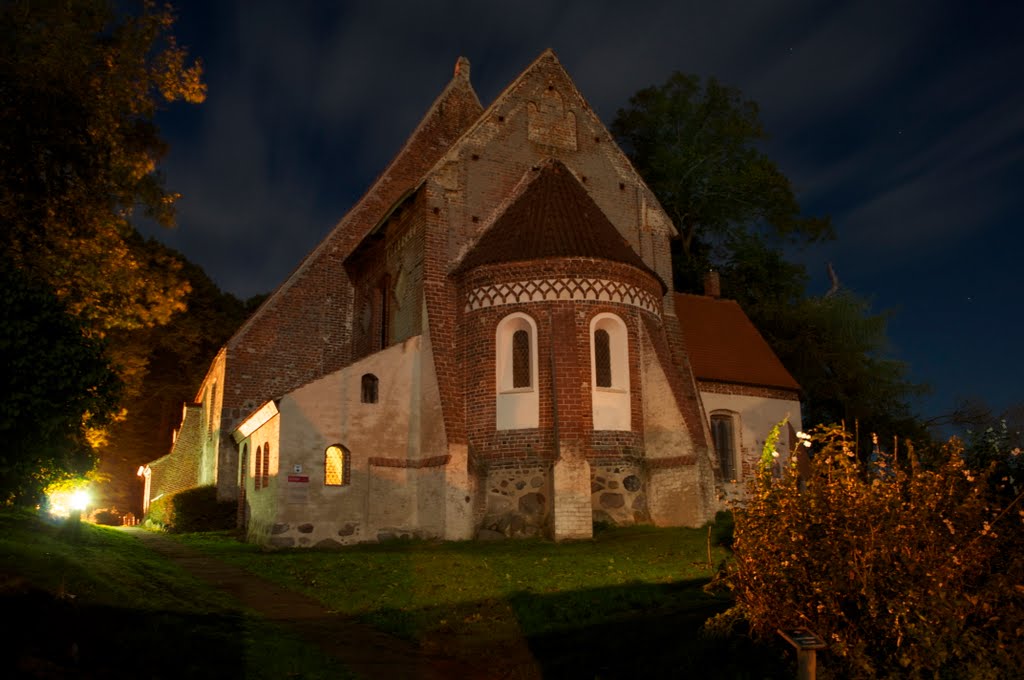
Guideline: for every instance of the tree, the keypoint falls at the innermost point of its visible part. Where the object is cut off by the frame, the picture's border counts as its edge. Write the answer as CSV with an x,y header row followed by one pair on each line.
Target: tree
x,y
57,386
79,87
696,146
176,356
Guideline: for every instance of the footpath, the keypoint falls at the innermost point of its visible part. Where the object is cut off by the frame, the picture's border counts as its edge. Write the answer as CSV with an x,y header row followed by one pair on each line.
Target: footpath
x,y
366,651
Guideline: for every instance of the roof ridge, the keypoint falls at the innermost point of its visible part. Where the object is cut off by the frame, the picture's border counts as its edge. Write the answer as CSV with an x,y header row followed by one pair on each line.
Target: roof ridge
x,y
460,79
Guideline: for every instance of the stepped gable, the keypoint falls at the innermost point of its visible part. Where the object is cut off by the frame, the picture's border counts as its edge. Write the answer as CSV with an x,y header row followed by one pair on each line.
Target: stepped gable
x,y
554,217
724,345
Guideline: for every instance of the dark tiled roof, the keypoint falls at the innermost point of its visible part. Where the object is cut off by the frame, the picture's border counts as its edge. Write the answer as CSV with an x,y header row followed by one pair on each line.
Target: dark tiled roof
x,y
553,217
724,346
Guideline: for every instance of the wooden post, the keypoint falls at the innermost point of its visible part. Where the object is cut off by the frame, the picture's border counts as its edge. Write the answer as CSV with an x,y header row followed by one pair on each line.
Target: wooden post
x,y
806,644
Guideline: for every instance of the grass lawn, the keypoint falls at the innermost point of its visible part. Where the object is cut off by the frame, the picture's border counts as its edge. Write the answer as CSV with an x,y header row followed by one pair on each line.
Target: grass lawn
x,y
629,603
80,600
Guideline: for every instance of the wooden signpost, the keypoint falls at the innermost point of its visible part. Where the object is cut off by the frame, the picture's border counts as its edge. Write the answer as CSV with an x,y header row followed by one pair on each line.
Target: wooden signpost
x,y
806,643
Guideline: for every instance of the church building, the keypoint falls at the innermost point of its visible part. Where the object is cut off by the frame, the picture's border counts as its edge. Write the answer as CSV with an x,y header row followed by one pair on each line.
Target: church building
x,y
486,345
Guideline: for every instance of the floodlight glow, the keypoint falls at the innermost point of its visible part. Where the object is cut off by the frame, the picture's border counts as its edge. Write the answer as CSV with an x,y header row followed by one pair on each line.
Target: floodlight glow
x,y
80,500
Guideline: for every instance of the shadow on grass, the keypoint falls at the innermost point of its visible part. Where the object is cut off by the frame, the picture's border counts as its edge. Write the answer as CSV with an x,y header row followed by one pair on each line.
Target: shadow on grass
x,y
630,631
50,637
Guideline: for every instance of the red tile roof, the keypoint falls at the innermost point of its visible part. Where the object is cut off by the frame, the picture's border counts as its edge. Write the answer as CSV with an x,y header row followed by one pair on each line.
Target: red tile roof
x,y
724,345
554,216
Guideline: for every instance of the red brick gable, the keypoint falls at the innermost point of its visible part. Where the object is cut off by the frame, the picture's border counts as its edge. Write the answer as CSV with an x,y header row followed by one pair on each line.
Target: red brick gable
x,y
304,329
554,216
724,346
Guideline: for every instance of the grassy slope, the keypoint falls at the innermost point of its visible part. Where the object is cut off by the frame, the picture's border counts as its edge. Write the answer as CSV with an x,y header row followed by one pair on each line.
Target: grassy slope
x,y
628,603
89,600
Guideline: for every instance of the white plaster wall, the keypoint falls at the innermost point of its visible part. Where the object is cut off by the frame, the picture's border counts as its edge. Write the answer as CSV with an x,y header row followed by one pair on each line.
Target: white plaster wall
x,y
329,411
263,503
665,431
757,416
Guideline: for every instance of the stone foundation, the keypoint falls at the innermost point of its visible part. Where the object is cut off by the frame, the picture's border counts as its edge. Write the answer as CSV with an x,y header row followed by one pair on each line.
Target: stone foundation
x,y
517,501
618,493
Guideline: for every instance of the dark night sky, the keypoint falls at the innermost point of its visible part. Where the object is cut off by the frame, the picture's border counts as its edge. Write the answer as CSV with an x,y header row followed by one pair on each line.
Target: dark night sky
x,y
904,121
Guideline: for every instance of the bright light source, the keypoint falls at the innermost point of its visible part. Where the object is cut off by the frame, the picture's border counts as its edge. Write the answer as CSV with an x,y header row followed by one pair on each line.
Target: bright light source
x,y
80,500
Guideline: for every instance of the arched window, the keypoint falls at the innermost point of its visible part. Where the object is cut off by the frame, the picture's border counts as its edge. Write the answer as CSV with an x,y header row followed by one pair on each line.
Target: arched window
x,y
266,465
723,435
609,368
337,466
520,359
257,469
602,358
515,365
369,388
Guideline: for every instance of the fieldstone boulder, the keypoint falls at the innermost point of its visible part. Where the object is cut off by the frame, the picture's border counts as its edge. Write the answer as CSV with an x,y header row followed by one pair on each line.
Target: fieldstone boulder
x,y
612,500
532,503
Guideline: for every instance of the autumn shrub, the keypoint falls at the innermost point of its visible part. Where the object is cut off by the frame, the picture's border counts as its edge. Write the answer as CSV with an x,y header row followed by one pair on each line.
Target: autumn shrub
x,y
902,571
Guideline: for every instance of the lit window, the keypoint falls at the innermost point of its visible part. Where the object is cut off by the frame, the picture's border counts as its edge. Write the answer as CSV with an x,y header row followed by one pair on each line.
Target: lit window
x,y
336,465
723,434
369,389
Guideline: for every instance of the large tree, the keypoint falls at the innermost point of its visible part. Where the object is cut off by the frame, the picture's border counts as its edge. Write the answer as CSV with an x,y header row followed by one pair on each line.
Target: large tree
x,y
58,386
79,87
80,84
696,143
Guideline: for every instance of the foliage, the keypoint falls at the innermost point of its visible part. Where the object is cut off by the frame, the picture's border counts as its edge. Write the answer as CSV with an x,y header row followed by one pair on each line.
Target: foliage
x,y
836,349
175,357
80,86
57,386
696,145
197,509
903,571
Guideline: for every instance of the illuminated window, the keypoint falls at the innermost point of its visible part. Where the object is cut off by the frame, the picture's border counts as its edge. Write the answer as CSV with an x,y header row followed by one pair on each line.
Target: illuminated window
x,y
336,466
257,468
369,391
723,434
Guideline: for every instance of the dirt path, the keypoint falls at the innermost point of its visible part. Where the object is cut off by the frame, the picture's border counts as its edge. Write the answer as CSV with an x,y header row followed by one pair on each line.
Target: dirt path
x,y
366,651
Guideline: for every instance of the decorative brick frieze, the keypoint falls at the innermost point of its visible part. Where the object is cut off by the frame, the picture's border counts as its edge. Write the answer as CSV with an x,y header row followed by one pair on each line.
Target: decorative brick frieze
x,y
674,461
574,289
433,461
747,390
